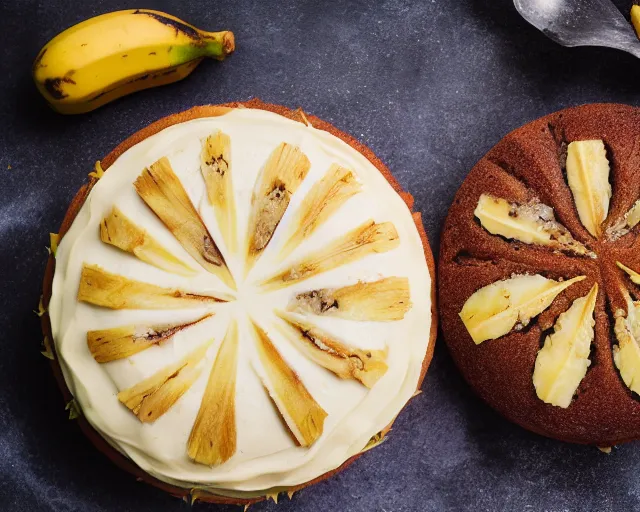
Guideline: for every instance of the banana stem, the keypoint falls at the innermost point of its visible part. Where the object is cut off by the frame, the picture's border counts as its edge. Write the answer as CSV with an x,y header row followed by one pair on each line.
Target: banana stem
x,y
218,44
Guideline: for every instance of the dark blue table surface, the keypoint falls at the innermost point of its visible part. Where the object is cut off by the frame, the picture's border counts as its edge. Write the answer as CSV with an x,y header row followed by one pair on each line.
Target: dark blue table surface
x,y
429,85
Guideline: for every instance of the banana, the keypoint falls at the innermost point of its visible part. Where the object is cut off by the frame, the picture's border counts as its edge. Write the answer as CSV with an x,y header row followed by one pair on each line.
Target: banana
x,y
115,54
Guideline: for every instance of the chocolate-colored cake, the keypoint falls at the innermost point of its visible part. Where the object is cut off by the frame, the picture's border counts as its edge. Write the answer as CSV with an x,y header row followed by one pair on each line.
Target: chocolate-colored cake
x,y
538,275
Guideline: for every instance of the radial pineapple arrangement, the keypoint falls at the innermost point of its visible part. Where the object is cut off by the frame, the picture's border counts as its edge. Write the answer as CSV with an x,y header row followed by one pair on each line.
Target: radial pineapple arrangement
x,y
539,272
241,303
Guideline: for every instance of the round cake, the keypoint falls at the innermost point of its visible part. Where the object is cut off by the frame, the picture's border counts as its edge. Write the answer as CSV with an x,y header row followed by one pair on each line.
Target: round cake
x,y
241,303
539,272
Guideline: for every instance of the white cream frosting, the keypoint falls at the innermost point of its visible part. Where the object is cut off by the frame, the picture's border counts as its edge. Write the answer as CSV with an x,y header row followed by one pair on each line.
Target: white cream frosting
x,y
267,456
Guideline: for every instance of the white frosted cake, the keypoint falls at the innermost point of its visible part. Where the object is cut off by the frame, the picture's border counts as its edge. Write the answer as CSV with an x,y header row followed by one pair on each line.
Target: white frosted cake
x,y
241,303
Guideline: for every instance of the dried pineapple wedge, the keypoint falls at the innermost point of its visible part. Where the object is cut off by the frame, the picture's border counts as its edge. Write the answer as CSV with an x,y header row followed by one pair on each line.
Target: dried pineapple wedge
x,y
385,300
368,238
108,345
531,223
102,288
588,177
635,18
215,165
633,275
213,436
302,414
160,188
627,223
626,354
281,176
633,215
562,362
54,240
366,366
152,397
496,309
118,230
322,201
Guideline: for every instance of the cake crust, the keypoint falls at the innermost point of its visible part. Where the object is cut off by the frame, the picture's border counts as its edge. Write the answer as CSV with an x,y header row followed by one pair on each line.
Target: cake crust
x,y
530,163
79,199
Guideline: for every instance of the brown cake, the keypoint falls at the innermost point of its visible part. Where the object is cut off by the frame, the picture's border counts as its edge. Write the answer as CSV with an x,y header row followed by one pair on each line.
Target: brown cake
x,y
538,275
80,358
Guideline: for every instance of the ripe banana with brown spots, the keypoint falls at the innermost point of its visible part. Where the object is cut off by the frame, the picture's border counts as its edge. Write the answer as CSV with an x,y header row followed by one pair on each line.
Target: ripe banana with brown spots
x,y
115,54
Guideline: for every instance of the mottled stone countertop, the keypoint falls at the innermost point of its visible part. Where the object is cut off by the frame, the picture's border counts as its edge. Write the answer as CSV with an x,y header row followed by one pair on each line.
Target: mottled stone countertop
x,y
429,85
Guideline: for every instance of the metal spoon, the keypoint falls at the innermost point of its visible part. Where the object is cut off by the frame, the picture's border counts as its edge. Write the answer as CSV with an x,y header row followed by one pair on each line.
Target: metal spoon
x,y
581,23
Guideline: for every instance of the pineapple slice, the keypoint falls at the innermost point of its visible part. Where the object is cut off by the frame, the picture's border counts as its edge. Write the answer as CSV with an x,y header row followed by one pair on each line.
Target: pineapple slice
x,y
626,354
215,165
54,240
588,177
633,215
302,414
633,275
118,230
213,436
562,362
368,238
627,223
385,300
108,345
160,188
531,223
322,201
102,288
281,176
366,366
635,18
152,397
496,309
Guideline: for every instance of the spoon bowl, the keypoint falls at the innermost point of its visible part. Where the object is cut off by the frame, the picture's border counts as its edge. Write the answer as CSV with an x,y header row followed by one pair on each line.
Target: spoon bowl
x,y
581,23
